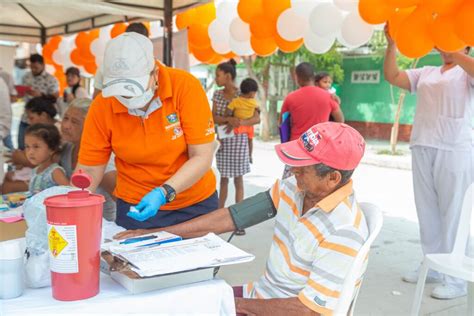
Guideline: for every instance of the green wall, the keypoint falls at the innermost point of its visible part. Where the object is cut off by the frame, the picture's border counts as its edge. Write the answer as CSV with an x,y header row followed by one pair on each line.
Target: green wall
x,y
372,102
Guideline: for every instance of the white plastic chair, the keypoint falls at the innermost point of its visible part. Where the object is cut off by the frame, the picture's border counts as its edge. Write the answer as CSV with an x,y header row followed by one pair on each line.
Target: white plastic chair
x,y
349,292
456,263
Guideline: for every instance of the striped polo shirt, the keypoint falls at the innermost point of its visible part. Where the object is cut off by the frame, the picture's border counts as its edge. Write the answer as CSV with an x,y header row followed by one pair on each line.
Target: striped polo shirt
x,y
311,254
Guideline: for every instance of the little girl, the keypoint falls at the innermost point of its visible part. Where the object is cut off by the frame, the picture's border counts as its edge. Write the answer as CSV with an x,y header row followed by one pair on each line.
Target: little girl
x,y
42,142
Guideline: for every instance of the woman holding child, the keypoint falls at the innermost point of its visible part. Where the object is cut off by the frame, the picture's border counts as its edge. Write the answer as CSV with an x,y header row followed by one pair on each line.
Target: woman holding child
x,y
233,155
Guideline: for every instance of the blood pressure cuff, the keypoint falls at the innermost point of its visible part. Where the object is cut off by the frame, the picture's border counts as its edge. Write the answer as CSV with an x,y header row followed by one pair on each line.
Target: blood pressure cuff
x,y
253,210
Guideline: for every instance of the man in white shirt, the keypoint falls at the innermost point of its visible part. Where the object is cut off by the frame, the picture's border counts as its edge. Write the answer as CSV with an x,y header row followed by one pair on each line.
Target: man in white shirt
x,y
5,110
442,152
8,78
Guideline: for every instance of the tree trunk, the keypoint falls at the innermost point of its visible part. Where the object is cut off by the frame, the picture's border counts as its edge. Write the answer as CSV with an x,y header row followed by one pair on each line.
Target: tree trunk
x,y
262,93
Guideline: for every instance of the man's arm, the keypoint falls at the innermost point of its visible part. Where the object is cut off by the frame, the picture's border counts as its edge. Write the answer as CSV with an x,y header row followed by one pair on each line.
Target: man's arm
x,y
249,212
218,222
337,115
274,306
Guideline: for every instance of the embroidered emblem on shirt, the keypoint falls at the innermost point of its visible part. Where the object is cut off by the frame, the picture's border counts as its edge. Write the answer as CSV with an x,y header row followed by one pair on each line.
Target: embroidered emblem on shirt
x,y
172,118
178,132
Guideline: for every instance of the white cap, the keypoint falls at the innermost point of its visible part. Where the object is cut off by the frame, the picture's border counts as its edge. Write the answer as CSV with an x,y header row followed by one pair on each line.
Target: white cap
x,y
128,62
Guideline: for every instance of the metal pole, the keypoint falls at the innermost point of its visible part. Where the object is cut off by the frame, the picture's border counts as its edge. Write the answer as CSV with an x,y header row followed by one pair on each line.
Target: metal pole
x,y
43,36
168,33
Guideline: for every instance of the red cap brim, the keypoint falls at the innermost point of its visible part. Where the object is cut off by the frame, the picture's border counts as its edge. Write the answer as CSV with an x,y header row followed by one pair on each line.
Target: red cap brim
x,y
292,154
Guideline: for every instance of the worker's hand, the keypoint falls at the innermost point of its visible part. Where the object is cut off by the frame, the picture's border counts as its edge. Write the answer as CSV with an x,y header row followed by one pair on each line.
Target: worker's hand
x,y
389,38
131,233
149,205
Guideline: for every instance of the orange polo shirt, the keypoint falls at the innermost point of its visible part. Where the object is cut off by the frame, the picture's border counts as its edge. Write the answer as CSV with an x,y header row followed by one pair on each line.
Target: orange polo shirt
x,y
150,151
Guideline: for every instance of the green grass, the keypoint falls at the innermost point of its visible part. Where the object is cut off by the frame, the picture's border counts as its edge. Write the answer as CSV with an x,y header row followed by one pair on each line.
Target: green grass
x,y
389,152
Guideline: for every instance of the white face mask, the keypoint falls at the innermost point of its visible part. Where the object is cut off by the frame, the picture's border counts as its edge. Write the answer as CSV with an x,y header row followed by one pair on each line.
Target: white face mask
x,y
137,102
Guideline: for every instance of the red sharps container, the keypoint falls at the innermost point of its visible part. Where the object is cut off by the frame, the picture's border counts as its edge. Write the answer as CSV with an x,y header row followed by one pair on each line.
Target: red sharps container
x,y
74,236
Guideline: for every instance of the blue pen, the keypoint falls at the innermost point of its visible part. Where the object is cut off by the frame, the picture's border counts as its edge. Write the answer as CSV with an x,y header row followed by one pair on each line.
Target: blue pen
x,y
137,239
156,243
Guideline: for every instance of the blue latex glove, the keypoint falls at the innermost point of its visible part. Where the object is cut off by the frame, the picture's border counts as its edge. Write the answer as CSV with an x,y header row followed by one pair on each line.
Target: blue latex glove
x,y
149,205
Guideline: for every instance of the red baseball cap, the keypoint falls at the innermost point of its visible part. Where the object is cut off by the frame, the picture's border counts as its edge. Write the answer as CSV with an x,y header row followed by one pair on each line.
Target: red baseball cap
x,y
336,145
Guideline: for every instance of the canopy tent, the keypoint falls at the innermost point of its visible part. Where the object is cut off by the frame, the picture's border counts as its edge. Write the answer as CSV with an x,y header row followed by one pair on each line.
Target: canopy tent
x,y
35,21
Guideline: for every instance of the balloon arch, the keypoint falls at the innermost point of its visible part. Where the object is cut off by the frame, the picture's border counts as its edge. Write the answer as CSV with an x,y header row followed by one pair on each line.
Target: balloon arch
x,y
260,27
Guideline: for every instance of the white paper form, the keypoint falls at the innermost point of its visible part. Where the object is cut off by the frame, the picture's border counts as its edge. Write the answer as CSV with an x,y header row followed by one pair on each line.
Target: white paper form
x,y
190,254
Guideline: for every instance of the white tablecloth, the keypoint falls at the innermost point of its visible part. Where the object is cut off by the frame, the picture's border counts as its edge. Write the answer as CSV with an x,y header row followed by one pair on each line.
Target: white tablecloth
x,y
213,297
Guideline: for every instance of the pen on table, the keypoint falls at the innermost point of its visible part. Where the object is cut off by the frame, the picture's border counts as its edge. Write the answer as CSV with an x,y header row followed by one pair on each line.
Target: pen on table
x,y
137,239
156,243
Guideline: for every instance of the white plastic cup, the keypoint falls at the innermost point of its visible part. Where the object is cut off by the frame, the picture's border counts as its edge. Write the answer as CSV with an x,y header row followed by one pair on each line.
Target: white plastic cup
x,y
11,268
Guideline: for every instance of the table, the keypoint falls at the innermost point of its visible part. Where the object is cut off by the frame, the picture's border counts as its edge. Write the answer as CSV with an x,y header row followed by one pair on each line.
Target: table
x,y
214,297
12,230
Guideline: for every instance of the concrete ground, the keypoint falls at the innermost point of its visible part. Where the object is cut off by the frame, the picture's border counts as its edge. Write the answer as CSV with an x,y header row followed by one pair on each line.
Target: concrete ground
x,y
396,250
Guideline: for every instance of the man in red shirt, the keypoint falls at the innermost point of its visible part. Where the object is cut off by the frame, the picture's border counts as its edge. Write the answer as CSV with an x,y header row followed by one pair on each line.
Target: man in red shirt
x,y
309,105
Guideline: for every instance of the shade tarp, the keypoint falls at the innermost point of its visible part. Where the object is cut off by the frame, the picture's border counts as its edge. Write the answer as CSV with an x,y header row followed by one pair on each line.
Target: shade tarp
x,y
25,20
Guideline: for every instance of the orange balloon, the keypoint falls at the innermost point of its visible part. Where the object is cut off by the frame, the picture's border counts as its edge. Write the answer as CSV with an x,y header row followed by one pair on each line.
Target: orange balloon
x,y
464,23
77,59
262,27
117,29
413,37
287,46
230,55
198,36
90,68
403,3
441,6
217,59
263,46
248,9
204,55
397,18
375,11
273,8
443,35
185,19
206,13
93,34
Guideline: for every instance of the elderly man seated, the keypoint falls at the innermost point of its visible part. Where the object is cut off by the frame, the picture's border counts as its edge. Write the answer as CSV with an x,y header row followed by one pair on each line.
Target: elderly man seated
x,y
319,227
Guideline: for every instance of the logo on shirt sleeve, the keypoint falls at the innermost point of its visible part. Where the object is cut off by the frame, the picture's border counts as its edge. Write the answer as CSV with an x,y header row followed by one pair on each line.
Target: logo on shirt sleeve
x,y
210,130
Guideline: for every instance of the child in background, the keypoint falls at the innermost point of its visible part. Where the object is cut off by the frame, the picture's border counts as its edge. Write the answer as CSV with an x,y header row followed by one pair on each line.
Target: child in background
x,y
42,142
244,108
324,81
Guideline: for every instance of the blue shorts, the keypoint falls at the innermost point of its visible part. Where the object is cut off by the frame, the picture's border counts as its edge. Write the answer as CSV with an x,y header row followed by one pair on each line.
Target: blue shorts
x,y
165,218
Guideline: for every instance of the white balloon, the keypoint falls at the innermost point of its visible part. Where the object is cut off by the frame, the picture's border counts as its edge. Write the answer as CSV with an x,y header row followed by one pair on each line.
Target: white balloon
x,y
239,30
291,26
221,48
57,57
241,48
326,19
318,44
355,31
218,32
304,7
98,45
66,46
347,5
226,11
343,42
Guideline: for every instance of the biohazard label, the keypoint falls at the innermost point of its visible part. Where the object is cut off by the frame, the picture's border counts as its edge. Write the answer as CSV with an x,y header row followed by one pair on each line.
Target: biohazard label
x,y
62,241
